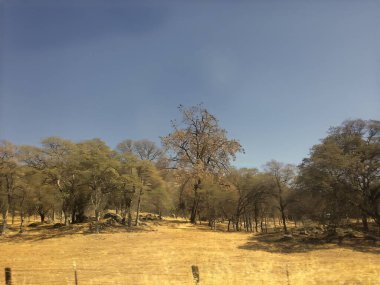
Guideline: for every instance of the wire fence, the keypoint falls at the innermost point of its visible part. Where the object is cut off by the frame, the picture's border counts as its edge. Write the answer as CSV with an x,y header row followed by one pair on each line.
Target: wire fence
x,y
81,276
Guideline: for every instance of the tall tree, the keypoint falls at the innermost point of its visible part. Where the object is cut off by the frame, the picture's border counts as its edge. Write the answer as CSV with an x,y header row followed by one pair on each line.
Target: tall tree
x,y
127,189
253,192
57,160
148,179
9,178
349,159
140,172
283,176
99,172
199,147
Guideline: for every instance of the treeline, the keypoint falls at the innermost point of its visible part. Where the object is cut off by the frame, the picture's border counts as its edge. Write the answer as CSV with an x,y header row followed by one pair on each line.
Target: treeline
x,y
191,176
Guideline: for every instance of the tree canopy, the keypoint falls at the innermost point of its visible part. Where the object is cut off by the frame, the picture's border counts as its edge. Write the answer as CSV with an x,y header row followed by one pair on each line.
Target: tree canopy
x,y
192,176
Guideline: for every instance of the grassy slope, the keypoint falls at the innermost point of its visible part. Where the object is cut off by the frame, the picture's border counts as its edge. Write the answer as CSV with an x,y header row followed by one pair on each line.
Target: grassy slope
x,y
165,254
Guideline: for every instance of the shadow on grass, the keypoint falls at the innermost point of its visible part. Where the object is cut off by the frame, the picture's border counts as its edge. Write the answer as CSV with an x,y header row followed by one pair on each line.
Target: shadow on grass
x,y
278,243
174,221
42,232
48,231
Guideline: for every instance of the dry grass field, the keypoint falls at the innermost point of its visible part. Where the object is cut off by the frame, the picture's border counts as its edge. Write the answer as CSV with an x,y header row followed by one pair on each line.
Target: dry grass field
x,y
164,253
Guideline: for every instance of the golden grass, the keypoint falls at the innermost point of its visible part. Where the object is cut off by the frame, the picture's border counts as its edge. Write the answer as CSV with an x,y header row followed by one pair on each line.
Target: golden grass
x,y
164,253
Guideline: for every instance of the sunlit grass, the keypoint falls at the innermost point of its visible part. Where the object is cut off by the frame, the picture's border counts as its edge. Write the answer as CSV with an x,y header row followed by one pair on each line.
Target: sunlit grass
x,y
163,254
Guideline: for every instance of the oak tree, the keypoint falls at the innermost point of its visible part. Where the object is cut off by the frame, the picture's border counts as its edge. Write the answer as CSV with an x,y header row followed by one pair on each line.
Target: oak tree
x,y
199,147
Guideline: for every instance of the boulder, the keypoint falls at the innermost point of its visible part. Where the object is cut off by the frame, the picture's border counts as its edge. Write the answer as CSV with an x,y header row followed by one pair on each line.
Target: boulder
x,y
110,222
58,225
286,237
114,217
150,217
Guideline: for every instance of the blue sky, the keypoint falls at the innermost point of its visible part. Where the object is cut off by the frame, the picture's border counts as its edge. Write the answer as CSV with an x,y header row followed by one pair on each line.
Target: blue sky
x,y
277,74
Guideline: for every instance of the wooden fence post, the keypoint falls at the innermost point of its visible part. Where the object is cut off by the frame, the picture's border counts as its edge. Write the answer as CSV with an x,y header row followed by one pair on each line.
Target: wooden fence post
x,y
76,277
75,272
8,276
195,271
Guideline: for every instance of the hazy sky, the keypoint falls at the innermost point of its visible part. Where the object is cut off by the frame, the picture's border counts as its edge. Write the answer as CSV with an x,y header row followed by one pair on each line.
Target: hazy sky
x,y
277,74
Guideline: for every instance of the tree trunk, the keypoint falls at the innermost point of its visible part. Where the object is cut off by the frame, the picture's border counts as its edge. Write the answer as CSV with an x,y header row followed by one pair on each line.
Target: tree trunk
x,y
22,221
282,206
73,217
194,208
284,220
7,206
97,218
137,220
237,224
129,223
237,217
5,217
42,217
53,215
13,214
246,226
124,217
66,216
256,213
365,222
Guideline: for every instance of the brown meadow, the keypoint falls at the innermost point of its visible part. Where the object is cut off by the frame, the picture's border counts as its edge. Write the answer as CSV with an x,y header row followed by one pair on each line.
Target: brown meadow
x,y
163,253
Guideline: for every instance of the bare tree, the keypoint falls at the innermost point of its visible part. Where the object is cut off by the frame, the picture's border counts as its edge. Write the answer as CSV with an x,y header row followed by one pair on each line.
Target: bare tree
x,y
143,149
200,147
